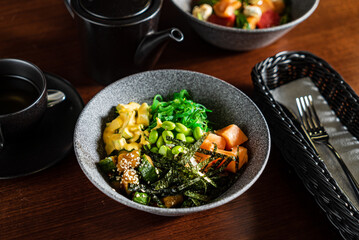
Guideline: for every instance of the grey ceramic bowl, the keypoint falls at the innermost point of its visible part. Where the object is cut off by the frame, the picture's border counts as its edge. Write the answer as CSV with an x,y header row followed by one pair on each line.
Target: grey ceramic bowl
x,y
229,105
242,39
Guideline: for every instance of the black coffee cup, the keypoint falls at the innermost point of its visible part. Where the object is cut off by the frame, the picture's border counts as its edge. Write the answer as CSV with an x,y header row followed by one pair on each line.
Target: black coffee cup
x,y
23,98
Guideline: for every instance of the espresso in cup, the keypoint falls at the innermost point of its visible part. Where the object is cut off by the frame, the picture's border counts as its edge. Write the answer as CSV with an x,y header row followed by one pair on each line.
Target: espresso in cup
x,y
16,94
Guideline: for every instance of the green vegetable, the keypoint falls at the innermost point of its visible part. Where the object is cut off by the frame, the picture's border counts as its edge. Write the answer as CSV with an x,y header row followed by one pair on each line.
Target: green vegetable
x,y
190,139
181,136
177,150
197,133
189,132
241,20
147,170
286,16
160,142
284,19
107,165
168,125
166,134
197,196
181,128
154,149
152,138
142,198
165,182
163,150
209,2
179,110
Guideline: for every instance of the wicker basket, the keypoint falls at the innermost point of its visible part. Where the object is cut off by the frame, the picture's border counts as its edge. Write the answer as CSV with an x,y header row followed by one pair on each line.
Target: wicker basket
x,y
283,68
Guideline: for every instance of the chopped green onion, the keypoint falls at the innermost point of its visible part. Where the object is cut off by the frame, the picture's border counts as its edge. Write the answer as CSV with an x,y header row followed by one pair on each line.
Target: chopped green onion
x,y
142,198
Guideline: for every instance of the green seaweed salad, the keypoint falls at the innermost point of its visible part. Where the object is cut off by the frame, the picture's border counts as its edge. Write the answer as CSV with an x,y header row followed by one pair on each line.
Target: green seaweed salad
x,y
152,159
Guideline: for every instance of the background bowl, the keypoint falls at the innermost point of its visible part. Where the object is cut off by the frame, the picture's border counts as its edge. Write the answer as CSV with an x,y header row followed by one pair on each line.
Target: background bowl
x,y
217,95
242,39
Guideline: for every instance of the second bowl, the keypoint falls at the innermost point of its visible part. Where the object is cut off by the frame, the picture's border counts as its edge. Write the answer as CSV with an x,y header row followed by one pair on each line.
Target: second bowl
x,y
237,39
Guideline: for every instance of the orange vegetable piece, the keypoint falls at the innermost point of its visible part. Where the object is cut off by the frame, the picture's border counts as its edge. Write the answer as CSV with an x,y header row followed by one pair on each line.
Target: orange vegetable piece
x,y
128,160
252,21
213,139
226,8
129,176
279,6
200,157
172,201
231,167
239,151
242,156
266,5
233,135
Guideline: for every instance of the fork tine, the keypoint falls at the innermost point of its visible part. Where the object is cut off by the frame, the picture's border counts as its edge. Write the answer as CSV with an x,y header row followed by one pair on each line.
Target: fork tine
x,y
301,110
315,117
309,111
306,113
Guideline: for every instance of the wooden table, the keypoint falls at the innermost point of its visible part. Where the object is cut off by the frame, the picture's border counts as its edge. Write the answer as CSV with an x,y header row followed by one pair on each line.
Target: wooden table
x,y
61,203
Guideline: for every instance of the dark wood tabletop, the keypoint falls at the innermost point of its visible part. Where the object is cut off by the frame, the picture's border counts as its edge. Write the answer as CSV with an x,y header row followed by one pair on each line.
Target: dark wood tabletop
x,y
61,203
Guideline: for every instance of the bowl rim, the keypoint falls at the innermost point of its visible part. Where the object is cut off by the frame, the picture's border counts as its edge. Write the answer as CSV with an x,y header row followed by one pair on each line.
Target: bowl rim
x,y
173,211
255,31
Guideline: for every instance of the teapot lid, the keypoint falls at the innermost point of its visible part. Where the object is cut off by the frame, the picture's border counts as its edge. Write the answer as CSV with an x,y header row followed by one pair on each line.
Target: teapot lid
x,y
115,9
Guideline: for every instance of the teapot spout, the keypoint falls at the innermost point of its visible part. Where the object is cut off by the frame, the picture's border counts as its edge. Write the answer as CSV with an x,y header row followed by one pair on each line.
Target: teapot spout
x,y
152,46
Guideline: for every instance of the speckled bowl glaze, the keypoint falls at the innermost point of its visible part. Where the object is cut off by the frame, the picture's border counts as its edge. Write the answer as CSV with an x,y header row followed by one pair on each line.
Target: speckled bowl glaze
x,y
242,39
229,105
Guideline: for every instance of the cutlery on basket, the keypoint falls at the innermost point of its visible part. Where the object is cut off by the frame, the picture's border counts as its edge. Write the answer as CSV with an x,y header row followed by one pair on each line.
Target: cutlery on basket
x,y
317,133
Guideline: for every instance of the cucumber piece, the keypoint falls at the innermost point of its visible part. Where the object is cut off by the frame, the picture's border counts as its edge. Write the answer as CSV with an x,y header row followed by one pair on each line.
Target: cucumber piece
x,y
147,170
107,165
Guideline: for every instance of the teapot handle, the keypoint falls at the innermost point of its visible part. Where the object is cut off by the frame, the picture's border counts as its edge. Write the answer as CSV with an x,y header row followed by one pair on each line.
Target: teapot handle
x,y
68,6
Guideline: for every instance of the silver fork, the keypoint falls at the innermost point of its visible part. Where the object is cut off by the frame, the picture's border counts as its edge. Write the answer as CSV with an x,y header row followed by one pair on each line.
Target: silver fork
x,y
317,133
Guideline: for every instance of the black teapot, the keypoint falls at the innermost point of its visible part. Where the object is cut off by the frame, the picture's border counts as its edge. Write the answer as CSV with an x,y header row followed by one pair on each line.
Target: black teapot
x,y
119,37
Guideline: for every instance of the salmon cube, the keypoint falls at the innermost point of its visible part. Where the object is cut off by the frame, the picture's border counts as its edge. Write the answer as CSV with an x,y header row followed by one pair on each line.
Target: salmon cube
x,y
233,136
211,139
